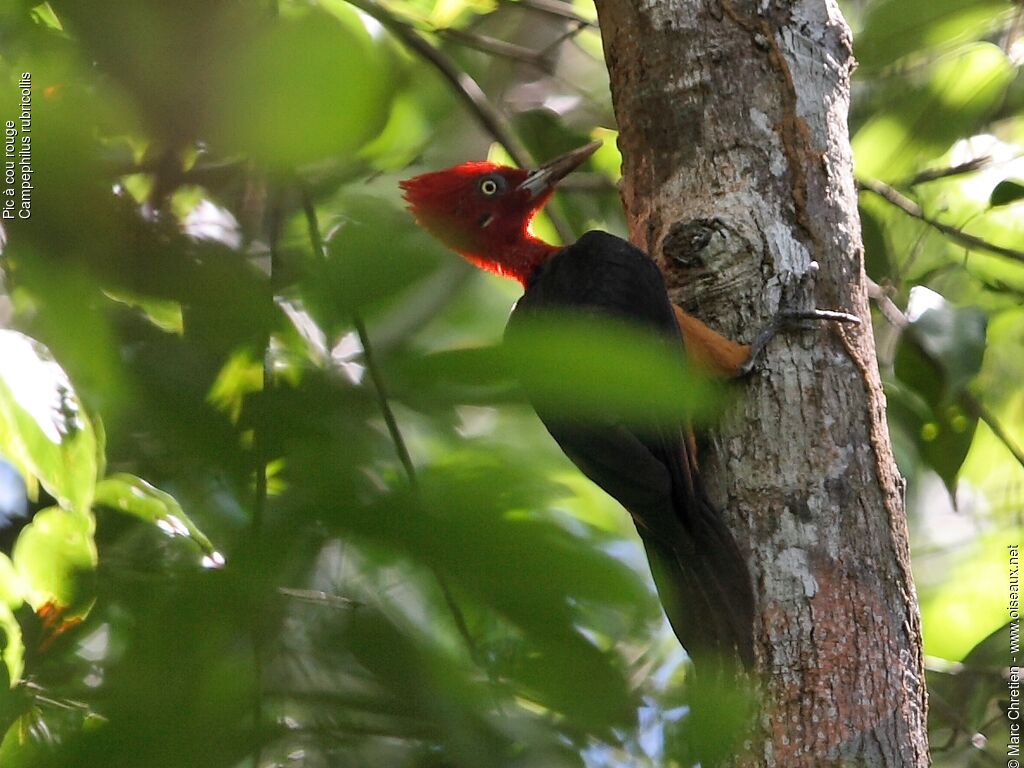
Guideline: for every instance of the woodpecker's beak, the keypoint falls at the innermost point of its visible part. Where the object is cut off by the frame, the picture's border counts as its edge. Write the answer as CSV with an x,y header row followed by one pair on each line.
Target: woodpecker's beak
x,y
548,175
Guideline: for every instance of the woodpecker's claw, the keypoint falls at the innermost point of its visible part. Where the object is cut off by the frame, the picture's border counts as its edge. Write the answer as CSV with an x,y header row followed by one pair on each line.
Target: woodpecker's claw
x,y
785,319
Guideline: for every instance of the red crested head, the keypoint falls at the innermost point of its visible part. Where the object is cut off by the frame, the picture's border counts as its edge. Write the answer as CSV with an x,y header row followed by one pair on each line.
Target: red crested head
x,y
483,211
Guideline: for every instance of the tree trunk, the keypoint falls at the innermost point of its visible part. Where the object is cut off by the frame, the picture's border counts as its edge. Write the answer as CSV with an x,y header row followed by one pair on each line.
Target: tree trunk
x,y
737,179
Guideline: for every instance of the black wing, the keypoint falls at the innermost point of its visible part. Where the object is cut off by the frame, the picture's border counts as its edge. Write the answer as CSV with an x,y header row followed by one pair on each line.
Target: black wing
x,y
701,576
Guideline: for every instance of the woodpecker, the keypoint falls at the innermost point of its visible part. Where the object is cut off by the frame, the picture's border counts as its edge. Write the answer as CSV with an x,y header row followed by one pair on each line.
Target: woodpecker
x,y
483,211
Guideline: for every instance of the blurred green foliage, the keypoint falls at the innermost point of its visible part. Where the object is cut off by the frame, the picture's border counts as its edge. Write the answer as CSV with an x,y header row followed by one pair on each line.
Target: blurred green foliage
x,y
937,116
211,551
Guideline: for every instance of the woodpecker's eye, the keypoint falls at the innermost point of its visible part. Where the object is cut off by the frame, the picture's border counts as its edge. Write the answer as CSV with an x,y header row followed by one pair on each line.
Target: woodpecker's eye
x,y
492,185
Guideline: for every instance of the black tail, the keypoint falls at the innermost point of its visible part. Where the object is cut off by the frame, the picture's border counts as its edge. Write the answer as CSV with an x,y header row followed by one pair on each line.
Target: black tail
x,y
701,575
705,586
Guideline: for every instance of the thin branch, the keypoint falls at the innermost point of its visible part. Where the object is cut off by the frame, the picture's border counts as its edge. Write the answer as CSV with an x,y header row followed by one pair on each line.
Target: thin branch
x,y
569,34
319,597
258,651
312,225
410,470
466,88
384,404
892,314
261,497
594,183
1013,31
933,174
900,268
976,408
893,196
496,47
40,694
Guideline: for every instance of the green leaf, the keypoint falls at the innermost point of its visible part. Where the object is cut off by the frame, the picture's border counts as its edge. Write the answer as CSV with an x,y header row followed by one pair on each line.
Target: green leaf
x,y
529,571
53,555
134,496
895,28
428,687
1006,192
44,430
939,354
403,136
43,14
301,90
163,313
374,256
586,368
242,375
940,434
954,338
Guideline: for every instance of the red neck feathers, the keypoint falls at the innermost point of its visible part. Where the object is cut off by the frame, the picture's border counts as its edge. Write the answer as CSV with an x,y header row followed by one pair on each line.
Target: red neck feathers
x,y
482,211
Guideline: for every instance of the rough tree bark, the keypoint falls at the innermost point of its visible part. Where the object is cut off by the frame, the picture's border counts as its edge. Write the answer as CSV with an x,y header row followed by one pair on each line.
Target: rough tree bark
x,y
737,177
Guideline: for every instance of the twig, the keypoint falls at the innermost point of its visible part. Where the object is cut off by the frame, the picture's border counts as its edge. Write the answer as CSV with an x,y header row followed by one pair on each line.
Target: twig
x,y
1013,31
318,597
257,623
900,268
260,499
892,314
569,34
39,695
384,404
312,225
410,470
977,409
466,88
588,182
497,47
933,174
892,196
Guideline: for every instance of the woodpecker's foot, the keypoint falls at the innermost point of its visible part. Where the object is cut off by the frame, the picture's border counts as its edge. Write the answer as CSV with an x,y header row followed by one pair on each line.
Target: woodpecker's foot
x,y
788,319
